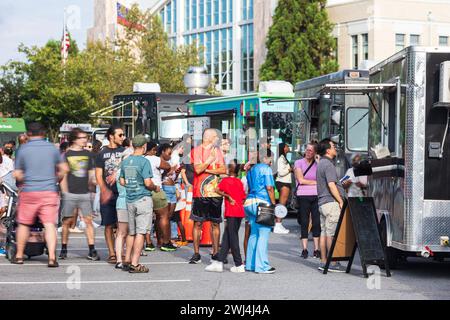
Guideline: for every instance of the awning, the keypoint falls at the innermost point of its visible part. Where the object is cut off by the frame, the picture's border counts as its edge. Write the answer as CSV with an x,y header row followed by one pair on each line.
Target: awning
x,y
356,88
12,125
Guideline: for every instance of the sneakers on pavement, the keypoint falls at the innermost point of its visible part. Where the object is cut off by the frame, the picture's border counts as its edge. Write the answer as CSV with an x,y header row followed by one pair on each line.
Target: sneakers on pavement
x,y
317,254
305,254
196,258
336,268
2,252
240,269
169,247
93,256
270,271
150,247
63,254
76,230
279,229
215,266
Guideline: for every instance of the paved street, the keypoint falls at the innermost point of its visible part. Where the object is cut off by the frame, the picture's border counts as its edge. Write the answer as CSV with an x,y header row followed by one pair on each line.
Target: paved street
x,y
171,277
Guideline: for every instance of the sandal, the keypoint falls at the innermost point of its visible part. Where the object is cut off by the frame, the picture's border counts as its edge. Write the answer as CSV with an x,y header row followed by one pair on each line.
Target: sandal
x,y
53,264
138,269
112,259
16,260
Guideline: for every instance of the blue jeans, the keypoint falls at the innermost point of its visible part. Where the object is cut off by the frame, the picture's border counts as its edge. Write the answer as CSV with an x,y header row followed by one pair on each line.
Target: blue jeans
x,y
257,258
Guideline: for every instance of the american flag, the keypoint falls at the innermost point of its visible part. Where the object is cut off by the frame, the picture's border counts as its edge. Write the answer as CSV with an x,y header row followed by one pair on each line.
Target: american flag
x,y
65,45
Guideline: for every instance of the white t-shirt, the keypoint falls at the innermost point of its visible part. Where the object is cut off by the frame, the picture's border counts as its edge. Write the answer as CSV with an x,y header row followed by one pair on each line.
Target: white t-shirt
x,y
155,162
354,190
6,166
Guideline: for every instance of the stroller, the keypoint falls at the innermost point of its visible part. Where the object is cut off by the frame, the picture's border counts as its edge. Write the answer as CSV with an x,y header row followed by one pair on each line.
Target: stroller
x,y
36,245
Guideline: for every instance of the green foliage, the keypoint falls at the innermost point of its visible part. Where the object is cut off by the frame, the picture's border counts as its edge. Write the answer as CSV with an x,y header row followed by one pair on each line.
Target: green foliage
x,y
43,89
300,44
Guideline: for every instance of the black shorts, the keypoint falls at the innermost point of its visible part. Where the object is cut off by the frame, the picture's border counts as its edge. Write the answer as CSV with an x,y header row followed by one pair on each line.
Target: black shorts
x,y
207,209
108,211
280,185
175,217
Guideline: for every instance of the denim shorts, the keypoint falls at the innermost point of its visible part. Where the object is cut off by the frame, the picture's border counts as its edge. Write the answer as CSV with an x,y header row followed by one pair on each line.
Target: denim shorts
x,y
171,193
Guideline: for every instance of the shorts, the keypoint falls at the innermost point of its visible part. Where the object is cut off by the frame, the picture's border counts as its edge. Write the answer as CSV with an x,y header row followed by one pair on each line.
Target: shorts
x,y
108,211
72,201
279,185
171,193
159,200
37,204
207,209
140,215
122,215
175,217
329,217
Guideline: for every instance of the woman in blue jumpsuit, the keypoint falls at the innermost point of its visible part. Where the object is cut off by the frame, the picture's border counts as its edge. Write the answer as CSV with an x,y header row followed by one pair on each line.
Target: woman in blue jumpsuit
x,y
260,190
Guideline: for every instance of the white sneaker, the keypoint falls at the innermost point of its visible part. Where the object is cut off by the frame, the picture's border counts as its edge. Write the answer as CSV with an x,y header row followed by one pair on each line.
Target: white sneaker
x,y
239,269
76,230
215,266
279,229
96,225
60,229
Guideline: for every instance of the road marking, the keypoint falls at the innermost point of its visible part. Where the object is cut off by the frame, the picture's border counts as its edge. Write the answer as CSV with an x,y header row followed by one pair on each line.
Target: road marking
x,y
89,264
95,282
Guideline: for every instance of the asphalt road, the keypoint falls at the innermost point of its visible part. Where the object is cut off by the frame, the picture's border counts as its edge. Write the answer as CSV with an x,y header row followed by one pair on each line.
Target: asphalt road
x,y
171,277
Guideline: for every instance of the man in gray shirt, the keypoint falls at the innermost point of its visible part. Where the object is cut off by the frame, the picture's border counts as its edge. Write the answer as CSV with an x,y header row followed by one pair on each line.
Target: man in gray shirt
x,y
39,168
331,195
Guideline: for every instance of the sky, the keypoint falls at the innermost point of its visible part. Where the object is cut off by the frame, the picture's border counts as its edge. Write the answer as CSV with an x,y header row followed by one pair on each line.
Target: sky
x,y
34,22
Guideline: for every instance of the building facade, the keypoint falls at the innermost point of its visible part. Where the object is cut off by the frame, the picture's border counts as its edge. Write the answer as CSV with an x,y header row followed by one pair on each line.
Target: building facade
x,y
376,29
232,33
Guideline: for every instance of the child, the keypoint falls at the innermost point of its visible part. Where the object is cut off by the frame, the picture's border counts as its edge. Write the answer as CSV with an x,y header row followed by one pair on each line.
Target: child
x,y
232,189
176,217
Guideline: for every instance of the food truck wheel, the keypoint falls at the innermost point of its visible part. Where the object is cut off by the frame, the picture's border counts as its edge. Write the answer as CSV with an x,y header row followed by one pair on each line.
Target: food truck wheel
x,y
392,254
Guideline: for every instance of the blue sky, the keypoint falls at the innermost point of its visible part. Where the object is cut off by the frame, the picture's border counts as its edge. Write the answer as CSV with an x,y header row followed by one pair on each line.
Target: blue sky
x,y
34,22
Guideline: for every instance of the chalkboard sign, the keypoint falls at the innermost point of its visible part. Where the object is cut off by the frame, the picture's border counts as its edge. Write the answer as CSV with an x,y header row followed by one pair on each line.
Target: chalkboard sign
x,y
363,215
358,228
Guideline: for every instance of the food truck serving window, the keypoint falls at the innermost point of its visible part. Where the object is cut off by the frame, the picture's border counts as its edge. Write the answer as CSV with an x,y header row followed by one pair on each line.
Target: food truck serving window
x,y
281,122
173,128
357,129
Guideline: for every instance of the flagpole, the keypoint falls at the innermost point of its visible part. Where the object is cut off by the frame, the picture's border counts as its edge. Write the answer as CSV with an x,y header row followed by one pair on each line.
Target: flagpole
x,y
64,43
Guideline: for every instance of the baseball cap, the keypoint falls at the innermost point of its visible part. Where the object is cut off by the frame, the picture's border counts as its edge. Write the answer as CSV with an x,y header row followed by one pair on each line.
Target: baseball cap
x,y
139,141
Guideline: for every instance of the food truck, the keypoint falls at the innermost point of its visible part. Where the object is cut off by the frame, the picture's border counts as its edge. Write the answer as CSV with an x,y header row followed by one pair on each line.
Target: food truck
x,y
343,117
409,96
10,129
245,118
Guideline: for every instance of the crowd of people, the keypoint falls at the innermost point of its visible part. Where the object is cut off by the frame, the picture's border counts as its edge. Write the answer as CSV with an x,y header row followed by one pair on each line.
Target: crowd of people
x,y
137,186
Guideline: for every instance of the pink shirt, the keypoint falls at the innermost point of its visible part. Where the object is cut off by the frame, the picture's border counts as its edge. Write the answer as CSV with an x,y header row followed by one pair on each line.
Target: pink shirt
x,y
306,190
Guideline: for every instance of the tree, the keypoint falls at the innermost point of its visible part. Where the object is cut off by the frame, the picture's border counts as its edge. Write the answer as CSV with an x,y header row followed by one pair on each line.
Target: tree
x,y
160,62
12,93
300,45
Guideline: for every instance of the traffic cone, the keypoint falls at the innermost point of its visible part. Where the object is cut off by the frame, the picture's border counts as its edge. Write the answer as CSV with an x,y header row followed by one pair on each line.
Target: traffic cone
x,y
186,213
205,240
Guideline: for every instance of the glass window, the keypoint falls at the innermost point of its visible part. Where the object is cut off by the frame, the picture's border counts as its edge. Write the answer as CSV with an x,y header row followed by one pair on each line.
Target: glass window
x,y
355,58
244,9
281,123
194,15
250,9
169,18
230,10
171,129
223,11
208,12
357,129
443,41
216,12
399,41
414,39
187,11
201,13
175,16
162,18
365,44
